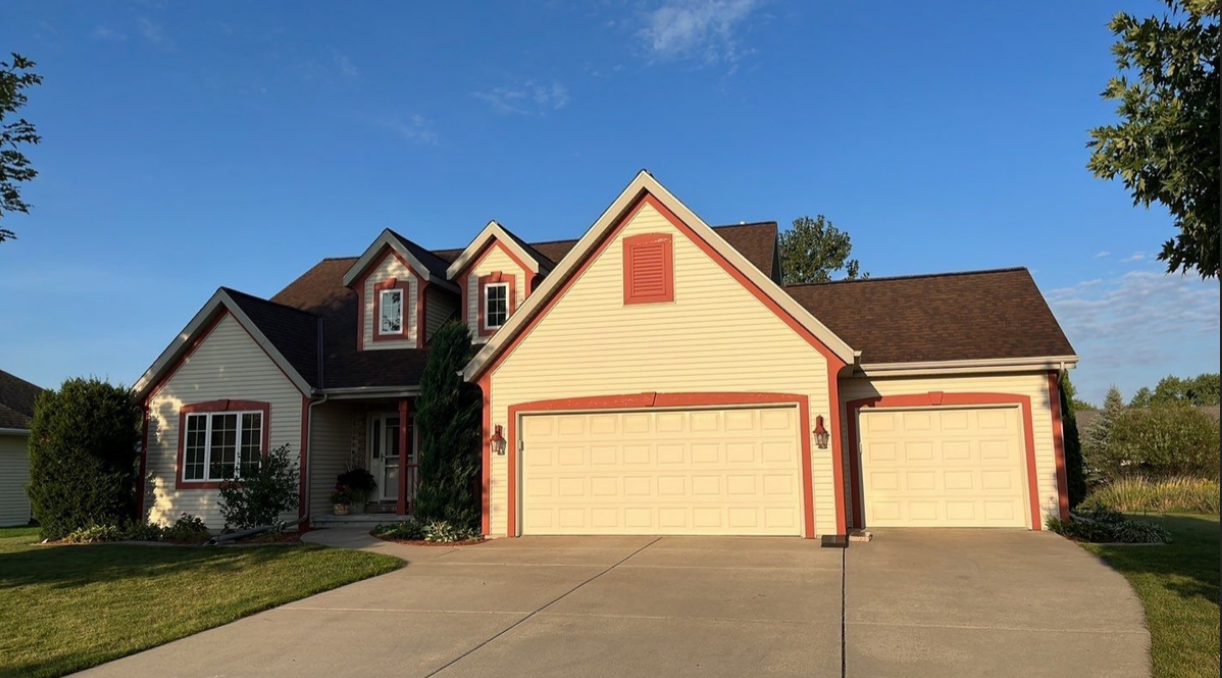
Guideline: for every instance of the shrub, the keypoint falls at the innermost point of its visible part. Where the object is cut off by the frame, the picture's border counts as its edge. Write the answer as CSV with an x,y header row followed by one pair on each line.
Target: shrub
x,y
442,532
1104,526
360,481
1161,441
145,532
259,499
1136,494
410,531
187,529
84,447
448,413
93,534
1074,466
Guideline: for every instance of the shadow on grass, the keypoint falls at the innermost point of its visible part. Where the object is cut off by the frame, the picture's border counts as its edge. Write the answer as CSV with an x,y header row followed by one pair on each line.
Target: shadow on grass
x,y
1189,565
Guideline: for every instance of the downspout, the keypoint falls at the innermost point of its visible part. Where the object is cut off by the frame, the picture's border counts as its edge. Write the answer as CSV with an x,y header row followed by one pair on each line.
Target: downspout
x,y
310,449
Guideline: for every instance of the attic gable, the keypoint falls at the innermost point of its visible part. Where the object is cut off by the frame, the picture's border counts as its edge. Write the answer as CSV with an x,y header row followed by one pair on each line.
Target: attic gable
x,y
423,263
525,255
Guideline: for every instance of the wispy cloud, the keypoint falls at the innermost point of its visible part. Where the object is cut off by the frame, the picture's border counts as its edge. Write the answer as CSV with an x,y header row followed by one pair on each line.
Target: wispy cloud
x,y
529,98
344,66
416,129
1136,256
701,30
153,32
1102,254
108,34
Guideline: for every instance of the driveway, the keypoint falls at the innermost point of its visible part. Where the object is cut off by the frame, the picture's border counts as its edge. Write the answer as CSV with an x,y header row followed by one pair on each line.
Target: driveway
x,y
910,603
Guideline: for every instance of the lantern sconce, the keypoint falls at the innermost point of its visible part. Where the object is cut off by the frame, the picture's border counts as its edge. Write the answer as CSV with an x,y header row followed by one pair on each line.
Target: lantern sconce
x,y
821,434
498,441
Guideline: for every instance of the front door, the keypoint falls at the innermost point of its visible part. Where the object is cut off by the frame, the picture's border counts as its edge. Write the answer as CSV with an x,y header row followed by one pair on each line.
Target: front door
x,y
384,455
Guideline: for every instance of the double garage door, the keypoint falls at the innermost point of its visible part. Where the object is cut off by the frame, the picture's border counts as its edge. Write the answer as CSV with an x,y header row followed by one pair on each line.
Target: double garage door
x,y
710,471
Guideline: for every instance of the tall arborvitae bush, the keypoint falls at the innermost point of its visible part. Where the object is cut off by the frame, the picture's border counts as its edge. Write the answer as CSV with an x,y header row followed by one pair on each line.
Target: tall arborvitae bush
x,y
1074,467
84,453
448,416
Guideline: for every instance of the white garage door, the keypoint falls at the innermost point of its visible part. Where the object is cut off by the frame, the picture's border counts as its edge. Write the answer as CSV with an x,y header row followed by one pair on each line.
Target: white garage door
x,y
726,471
943,468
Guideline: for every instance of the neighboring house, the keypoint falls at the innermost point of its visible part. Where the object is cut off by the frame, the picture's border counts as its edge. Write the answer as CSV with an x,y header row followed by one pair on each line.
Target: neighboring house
x,y
17,398
652,377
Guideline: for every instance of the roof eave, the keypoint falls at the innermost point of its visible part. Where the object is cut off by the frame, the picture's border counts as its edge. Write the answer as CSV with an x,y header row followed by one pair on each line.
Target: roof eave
x,y
1031,364
388,239
477,245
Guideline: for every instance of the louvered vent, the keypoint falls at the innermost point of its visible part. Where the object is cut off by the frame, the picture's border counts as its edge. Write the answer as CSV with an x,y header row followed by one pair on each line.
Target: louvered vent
x,y
647,269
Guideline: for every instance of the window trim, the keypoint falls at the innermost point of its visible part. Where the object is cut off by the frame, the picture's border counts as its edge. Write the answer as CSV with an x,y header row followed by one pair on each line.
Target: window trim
x,y
404,310
238,407
488,287
495,278
635,243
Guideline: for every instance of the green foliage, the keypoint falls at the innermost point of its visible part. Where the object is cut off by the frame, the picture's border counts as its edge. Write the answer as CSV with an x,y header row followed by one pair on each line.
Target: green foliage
x,y
1075,471
436,531
410,530
1165,149
94,534
359,480
1103,526
814,249
1071,395
15,77
448,414
83,457
1177,494
1095,444
1160,442
1201,390
259,499
187,529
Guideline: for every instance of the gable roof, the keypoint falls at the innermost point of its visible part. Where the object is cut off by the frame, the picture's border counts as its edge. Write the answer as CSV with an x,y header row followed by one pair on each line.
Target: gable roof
x,y
496,232
979,315
17,397
292,331
644,186
423,263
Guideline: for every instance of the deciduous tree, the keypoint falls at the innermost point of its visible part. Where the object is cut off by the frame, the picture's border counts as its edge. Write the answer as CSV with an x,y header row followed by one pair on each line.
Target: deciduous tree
x,y
813,249
15,77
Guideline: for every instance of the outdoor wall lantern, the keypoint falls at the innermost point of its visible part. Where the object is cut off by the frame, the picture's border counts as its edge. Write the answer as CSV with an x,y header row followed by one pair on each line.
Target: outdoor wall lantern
x,y
498,440
821,435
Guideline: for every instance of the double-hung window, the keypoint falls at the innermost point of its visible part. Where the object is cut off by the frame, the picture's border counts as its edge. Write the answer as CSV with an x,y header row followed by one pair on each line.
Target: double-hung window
x,y
222,445
390,305
496,305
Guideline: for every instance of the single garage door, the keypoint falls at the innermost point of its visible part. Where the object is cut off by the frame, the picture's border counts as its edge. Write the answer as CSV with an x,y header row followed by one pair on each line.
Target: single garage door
x,y
943,468
722,471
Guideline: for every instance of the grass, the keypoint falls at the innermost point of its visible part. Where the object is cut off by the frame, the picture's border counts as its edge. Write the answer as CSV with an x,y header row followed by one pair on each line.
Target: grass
x,y
66,608
1182,494
1178,585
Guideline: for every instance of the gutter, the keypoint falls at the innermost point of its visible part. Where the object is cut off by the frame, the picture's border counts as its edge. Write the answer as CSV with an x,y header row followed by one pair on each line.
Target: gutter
x,y
369,392
310,451
966,366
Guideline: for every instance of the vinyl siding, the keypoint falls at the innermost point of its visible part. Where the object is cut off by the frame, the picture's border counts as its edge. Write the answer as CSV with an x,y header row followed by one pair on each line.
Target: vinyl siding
x,y
331,447
439,306
227,365
1033,385
14,474
390,267
495,260
716,336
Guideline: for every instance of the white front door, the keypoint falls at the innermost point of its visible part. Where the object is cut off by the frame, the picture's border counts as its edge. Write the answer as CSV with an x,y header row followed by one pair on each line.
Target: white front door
x,y
384,455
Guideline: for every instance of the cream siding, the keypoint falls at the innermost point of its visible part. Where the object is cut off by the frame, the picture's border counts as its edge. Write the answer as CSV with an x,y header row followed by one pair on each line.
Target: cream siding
x,y
14,474
331,443
390,267
715,336
227,365
495,260
439,306
1033,385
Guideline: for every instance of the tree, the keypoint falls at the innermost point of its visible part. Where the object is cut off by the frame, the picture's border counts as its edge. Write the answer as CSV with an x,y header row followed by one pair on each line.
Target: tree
x,y
448,414
15,77
813,249
84,448
1201,390
1165,149
1071,393
1075,472
1095,444
1162,441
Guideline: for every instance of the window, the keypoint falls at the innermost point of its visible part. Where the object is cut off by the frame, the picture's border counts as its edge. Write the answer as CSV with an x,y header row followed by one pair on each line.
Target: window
x,y
496,305
222,445
648,269
390,305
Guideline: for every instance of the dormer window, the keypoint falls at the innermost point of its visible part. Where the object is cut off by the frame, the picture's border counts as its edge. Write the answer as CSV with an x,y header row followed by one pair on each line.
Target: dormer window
x,y
496,305
390,312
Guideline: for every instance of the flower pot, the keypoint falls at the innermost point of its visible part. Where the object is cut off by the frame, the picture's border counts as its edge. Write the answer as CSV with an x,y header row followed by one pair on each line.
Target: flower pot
x,y
340,509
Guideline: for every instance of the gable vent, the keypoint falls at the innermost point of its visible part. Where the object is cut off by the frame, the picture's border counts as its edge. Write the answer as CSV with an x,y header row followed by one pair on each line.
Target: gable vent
x,y
648,269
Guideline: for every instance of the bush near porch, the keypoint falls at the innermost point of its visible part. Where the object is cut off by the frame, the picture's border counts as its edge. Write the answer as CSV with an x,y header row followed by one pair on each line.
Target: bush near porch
x,y
67,608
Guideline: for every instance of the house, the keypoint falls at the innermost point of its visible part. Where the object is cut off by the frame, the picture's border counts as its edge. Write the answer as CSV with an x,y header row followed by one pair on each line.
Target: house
x,y
17,398
651,377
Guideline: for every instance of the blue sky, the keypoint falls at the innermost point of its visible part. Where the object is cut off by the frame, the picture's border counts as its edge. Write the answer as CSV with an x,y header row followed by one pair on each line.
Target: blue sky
x,y
192,145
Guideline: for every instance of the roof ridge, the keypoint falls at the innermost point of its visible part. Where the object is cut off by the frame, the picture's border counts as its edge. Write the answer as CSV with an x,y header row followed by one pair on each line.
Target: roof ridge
x,y
950,274
230,290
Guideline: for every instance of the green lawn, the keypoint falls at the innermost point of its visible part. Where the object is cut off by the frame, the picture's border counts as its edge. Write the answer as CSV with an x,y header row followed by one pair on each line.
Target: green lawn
x,y
66,608
1178,584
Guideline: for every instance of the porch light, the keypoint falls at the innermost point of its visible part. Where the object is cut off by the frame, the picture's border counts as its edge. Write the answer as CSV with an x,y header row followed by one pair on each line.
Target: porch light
x,y
498,441
821,435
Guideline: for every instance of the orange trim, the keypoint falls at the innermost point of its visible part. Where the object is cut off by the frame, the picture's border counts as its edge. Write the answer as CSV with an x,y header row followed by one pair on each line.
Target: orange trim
x,y
404,410
404,333
834,362
303,469
495,277
1058,444
657,400
463,274
636,246
362,317
835,448
215,406
485,386
944,400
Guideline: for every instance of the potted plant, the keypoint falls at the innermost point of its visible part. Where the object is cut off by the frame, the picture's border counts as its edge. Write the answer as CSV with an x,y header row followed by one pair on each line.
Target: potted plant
x,y
341,500
361,483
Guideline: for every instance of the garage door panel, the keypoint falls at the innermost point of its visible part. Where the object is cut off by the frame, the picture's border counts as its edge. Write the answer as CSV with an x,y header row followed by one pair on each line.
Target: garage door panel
x,y
729,471
957,467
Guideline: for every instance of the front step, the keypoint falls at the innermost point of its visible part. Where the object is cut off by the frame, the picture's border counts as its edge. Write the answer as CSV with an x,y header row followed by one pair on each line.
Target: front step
x,y
364,520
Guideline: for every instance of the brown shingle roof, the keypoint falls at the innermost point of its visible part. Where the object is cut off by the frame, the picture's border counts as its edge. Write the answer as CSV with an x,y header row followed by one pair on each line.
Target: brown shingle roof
x,y
292,331
955,316
17,398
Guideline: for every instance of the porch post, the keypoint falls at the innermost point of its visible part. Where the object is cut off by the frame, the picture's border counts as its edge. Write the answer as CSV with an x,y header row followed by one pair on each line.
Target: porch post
x,y
404,410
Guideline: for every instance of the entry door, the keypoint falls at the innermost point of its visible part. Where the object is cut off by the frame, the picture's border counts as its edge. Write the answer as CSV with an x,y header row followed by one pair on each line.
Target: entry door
x,y
384,455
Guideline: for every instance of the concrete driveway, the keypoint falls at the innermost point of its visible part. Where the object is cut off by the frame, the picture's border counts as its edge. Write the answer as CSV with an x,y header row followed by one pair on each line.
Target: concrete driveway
x,y
953,603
